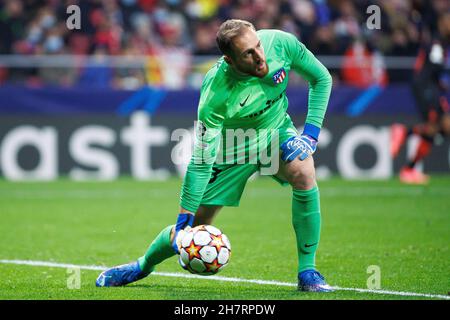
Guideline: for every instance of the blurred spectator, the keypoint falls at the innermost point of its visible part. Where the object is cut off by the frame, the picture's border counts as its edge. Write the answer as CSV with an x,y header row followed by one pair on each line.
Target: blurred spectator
x,y
98,75
305,15
174,53
12,24
346,26
324,41
205,39
362,68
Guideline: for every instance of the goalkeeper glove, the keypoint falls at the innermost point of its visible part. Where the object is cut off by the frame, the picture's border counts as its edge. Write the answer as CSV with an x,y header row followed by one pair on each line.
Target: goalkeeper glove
x,y
184,223
298,147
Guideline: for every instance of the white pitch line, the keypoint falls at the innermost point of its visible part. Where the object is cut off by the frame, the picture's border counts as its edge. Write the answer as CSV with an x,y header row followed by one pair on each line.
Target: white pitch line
x,y
218,278
51,264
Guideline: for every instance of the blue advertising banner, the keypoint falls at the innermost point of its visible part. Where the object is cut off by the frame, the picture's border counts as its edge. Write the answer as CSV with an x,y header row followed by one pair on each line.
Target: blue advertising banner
x,y
345,100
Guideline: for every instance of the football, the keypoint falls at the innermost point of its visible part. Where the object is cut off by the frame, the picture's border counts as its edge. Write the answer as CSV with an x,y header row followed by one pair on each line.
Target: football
x,y
204,250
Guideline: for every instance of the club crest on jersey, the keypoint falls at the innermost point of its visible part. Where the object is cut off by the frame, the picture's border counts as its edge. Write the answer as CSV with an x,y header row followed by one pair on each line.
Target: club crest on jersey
x,y
279,76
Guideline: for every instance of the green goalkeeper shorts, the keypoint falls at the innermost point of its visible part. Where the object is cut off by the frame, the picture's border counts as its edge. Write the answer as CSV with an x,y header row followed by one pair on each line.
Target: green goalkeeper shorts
x,y
227,182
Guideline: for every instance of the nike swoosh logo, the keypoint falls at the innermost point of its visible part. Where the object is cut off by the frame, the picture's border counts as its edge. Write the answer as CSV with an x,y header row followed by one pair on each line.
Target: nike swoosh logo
x,y
243,103
310,245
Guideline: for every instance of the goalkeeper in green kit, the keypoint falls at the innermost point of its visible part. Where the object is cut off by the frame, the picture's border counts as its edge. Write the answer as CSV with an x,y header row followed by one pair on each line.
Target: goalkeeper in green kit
x,y
246,92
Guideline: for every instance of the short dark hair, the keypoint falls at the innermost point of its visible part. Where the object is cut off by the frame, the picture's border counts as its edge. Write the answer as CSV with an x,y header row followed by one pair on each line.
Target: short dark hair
x,y
228,31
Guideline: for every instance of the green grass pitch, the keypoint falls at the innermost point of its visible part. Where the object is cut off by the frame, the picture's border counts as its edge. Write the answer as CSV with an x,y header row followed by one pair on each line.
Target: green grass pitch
x,y
403,230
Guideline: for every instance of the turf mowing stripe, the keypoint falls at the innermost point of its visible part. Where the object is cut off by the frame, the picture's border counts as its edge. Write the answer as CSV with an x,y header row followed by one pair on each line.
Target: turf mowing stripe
x,y
218,278
368,191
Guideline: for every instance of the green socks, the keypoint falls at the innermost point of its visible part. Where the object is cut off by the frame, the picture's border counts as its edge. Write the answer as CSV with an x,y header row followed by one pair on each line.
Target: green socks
x,y
306,222
158,251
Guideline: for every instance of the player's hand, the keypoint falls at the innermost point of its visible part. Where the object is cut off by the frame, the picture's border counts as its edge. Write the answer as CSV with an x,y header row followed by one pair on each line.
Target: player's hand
x,y
184,223
298,147
178,237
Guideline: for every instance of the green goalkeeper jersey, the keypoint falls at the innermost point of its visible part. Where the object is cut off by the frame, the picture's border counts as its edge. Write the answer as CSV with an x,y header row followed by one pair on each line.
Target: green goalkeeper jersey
x,y
232,101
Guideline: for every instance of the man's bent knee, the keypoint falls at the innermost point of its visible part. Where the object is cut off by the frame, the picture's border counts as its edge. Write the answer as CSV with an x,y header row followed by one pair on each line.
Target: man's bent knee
x,y
303,181
301,174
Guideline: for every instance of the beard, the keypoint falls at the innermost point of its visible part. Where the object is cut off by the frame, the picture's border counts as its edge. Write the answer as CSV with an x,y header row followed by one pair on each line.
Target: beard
x,y
259,71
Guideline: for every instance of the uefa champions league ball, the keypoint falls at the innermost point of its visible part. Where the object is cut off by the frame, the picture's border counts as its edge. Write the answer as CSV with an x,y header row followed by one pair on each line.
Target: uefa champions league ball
x,y
204,250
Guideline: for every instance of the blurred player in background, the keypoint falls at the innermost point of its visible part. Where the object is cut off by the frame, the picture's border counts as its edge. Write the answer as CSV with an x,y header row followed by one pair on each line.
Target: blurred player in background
x,y
430,85
246,89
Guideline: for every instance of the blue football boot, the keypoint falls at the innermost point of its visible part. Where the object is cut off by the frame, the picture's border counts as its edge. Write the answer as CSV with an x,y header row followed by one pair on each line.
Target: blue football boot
x,y
120,275
312,281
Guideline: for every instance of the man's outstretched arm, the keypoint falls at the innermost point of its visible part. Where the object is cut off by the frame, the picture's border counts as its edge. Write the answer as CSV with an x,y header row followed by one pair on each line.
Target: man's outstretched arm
x,y
195,181
207,141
